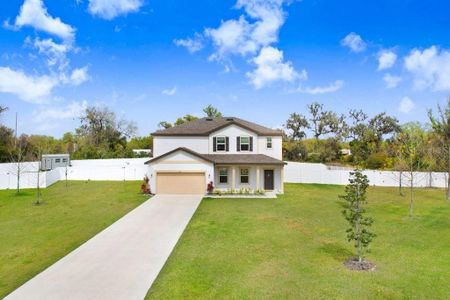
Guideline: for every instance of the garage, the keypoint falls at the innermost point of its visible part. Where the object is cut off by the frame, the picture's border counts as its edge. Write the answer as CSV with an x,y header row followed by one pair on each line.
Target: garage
x,y
180,183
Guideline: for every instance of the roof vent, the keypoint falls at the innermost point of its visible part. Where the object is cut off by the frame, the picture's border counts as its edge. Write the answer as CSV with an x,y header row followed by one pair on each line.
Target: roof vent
x,y
230,119
209,119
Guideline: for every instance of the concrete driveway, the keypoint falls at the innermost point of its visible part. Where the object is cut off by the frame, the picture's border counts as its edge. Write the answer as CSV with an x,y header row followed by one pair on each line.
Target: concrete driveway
x,y
122,261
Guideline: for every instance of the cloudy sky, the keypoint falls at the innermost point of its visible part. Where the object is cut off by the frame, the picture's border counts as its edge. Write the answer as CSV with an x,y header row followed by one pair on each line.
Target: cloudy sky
x,y
152,60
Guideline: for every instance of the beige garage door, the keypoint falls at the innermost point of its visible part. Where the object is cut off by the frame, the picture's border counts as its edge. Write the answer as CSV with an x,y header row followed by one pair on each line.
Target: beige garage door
x,y
180,183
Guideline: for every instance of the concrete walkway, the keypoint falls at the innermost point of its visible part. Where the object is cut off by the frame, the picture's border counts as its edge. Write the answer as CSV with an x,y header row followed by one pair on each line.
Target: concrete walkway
x,y
122,261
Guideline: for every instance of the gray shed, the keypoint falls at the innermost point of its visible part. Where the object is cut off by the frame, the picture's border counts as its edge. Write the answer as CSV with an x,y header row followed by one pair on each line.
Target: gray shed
x,y
51,161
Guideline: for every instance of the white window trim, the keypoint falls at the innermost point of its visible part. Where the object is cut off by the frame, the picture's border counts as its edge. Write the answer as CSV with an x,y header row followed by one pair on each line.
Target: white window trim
x,y
240,143
271,142
248,175
224,143
223,175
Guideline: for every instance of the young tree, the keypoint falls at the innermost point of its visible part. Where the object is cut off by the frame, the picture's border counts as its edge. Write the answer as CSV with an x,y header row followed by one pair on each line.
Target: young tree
x,y
411,154
441,129
296,125
354,212
212,112
18,158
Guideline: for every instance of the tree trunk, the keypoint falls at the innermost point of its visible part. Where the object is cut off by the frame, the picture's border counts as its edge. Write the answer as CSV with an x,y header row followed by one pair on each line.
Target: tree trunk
x,y
448,186
18,178
400,191
411,203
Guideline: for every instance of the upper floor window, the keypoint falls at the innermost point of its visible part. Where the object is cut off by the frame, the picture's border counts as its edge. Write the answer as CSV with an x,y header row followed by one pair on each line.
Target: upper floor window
x,y
58,160
269,142
244,143
221,143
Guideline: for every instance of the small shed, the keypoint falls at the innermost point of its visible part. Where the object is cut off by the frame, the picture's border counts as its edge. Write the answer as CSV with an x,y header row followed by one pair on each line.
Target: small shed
x,y
52,161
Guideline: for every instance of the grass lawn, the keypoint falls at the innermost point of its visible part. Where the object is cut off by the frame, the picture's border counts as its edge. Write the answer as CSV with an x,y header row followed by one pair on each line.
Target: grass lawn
x,y
34,237
294,247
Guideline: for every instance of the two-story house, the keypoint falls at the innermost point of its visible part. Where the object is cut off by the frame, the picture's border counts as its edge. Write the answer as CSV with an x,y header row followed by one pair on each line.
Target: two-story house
x,y
230,152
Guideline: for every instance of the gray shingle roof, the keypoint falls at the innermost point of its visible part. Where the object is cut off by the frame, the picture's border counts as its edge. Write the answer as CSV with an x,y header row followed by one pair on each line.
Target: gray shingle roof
x,y
227,159
206,126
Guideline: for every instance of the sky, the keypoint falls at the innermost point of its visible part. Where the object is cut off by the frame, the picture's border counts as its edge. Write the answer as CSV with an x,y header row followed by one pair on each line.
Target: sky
x,y
152,60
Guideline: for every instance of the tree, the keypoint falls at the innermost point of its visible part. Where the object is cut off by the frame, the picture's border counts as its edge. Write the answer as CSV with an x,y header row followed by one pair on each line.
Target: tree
x,y
296,125
164,124
411,154
18,158
102,135
355,200
324,122
381,125
441,128
186,118
212,112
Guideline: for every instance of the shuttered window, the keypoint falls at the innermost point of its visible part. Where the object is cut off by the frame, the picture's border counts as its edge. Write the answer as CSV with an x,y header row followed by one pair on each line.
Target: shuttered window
x,y
221,143
244,143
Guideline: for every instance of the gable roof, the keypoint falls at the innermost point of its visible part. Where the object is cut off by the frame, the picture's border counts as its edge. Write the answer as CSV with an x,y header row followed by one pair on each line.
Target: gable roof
x,y
206,126
187,150
226,159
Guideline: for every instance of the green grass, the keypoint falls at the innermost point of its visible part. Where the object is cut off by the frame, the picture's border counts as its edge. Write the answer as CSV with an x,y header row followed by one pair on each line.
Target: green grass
x,y
294,247
34,237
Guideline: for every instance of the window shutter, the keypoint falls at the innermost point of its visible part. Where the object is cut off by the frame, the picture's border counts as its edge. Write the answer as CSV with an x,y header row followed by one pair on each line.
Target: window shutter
x,y
238,143
251,143
214,144
227,142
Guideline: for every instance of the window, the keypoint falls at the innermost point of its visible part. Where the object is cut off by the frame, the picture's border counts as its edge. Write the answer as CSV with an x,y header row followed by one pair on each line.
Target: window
x,y
57,160
223,175
221,143
245,143
269,142
244,175
64,160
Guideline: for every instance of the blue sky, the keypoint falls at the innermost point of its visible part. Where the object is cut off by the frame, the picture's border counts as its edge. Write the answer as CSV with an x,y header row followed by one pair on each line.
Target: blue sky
x,y
260,60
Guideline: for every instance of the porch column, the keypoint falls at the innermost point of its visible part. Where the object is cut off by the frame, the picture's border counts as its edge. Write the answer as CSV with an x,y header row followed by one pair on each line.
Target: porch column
x,y
258,184
233,177
282,180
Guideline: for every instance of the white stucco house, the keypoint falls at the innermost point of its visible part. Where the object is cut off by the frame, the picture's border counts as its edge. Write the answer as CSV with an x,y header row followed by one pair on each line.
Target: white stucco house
x,y
229,152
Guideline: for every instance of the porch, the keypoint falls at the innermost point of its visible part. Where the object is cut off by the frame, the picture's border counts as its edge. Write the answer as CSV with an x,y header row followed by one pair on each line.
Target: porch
x,y
249,177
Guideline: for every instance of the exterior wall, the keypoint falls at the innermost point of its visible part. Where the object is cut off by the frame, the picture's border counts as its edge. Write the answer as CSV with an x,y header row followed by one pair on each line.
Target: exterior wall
x,y
232,132
180,161
277,146
278,184
164,144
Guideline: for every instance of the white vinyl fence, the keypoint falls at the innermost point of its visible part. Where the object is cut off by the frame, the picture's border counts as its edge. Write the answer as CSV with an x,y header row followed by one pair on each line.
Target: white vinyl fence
x,y
319,173
135,169
94,169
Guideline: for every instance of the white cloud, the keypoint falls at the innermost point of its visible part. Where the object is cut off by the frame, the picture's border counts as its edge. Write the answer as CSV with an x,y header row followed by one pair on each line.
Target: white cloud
x,y
386,59
109,9
70,111
169,92
406,105
243,37
333,87
430,68
270,67
191,44
79,76
391,80
55,53
33,13
354,42
33,89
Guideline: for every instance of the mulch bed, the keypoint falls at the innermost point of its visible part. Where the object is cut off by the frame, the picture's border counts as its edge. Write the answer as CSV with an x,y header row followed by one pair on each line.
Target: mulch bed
x,y
355,265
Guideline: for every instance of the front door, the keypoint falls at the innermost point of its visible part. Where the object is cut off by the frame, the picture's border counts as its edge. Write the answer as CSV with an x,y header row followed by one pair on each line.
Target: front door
x,y
268,179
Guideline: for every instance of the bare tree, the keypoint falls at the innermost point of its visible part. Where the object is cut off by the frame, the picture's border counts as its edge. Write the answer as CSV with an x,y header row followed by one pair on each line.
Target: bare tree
x,y
18,158
411,155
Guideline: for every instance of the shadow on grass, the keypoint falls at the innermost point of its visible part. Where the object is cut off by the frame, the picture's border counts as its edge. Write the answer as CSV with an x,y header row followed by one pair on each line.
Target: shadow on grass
x,y
336,251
